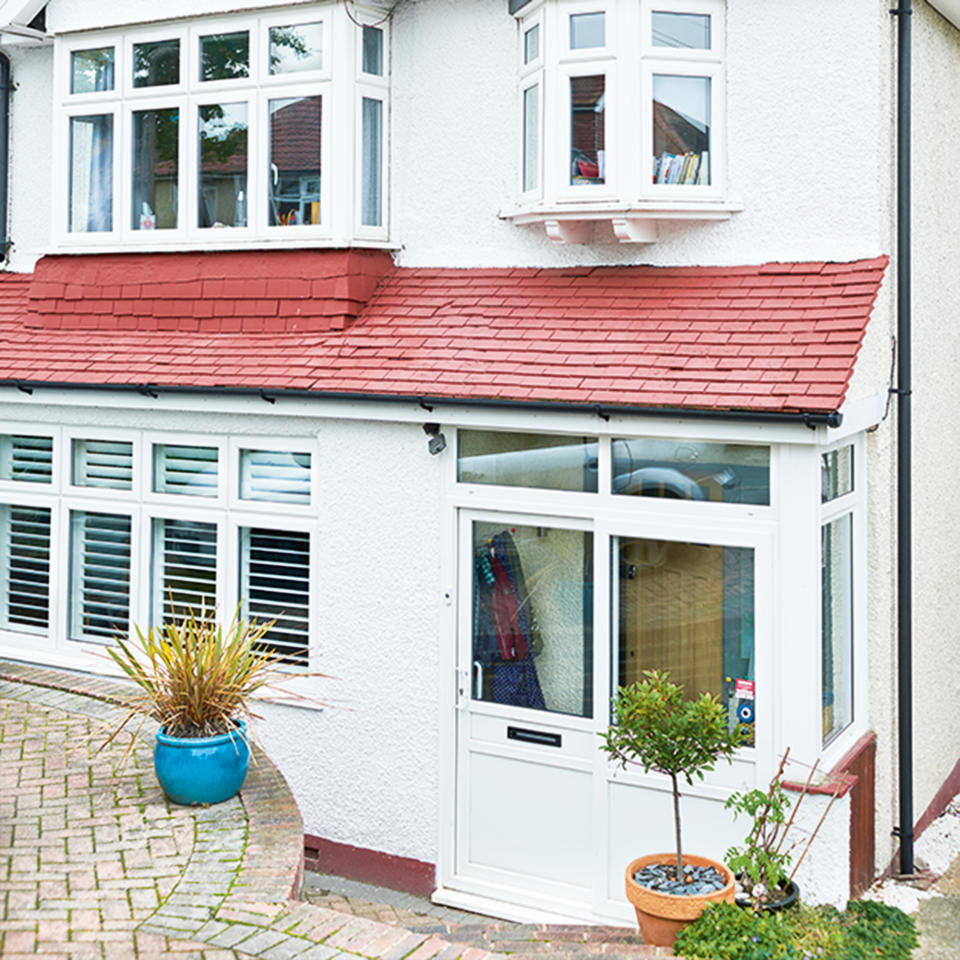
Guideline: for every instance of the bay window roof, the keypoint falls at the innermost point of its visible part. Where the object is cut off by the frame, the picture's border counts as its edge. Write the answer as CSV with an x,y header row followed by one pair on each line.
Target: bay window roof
x,y
772,337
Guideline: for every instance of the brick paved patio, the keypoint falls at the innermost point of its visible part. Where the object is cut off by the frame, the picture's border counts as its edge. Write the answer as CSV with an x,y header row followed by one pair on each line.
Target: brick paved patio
x,y
96,863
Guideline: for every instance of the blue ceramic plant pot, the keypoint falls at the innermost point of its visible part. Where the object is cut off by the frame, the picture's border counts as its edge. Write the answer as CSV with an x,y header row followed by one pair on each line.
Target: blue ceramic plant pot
x,y
201,769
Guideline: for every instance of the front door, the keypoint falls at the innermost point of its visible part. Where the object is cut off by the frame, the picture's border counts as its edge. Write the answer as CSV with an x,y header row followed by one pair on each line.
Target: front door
x,y
527,744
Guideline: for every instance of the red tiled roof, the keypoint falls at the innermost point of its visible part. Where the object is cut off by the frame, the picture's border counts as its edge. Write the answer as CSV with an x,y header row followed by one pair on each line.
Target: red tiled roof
x,y
775,337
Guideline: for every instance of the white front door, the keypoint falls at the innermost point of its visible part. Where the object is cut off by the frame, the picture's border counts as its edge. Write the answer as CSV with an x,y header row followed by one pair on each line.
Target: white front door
x,y
553,614
527,745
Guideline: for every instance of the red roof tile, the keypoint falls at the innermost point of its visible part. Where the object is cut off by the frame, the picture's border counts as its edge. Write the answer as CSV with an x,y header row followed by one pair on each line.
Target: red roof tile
x,y
773,337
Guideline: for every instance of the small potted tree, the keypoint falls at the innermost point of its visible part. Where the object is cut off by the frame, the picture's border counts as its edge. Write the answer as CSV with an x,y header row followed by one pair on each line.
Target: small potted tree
x,y
656,728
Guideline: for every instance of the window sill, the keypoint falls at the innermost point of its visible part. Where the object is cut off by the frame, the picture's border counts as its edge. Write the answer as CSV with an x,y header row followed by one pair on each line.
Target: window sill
x,y
247,243
631,223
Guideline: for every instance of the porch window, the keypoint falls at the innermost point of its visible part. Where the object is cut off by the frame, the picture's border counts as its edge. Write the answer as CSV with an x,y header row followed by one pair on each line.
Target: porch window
x,y
688,608
102,463
836,561
692,470
528,460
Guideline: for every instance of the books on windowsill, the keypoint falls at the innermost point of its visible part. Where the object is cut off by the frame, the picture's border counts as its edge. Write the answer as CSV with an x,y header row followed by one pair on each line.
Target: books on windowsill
x,y
685,168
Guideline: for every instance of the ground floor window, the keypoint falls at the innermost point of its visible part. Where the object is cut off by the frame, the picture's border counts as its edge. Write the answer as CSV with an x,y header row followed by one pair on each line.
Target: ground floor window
x,y
148,527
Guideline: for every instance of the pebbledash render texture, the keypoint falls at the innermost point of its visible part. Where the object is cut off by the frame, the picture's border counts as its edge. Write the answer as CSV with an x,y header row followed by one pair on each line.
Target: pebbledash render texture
x,y
769,337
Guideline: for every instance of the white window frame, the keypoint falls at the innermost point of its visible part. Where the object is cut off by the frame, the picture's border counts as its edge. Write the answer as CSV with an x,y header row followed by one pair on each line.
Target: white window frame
x,y
676,191
341,82
852,504
144,507
629,202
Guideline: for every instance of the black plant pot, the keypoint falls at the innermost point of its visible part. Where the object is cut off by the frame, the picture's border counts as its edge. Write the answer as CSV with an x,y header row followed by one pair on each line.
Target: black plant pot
x,y
792,894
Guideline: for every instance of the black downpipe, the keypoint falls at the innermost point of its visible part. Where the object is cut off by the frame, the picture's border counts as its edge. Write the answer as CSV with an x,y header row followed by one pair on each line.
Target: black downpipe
x,y
6,87
904,444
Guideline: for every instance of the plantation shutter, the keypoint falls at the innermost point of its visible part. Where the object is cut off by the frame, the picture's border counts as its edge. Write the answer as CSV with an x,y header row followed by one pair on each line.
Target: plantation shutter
x,y
100,584
103,463
275,584
185,568
190,471
275,475
28,459
26,586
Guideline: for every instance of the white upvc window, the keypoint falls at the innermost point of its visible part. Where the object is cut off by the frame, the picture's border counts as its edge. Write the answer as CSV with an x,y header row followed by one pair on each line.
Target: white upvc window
x,y
630,96
140,525
219,132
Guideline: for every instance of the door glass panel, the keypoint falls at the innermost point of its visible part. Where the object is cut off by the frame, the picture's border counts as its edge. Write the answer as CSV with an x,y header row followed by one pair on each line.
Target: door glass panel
x,y
687,608
532,633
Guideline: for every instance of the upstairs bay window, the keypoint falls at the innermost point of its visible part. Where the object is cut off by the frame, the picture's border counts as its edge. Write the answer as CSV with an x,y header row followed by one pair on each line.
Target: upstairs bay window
x,y
621,115
221,132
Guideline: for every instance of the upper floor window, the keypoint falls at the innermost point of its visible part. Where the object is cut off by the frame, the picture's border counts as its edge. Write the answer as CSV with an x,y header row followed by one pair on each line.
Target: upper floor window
x,y
622,109
221,131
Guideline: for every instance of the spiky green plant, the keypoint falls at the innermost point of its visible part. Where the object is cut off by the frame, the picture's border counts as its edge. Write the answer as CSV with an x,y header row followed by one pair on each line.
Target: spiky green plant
x,y
196,677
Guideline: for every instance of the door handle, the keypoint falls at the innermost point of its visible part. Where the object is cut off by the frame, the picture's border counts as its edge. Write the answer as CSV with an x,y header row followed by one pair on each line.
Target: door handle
x,y
463,688
478,682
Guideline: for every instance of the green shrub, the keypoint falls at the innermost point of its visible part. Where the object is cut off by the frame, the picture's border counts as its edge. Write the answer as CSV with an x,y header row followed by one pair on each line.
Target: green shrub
x,y
864,931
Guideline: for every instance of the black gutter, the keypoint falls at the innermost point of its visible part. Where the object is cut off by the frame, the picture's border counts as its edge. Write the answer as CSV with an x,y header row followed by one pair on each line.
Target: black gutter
x,y
428,403
6,87
904,444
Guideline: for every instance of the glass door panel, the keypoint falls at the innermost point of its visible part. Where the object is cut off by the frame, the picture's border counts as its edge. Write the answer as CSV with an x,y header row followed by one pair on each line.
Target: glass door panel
x,y
688,609
532,621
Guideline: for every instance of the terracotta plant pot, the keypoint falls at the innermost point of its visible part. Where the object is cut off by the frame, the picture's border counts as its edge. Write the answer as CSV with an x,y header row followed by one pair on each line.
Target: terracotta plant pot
x,y
661,916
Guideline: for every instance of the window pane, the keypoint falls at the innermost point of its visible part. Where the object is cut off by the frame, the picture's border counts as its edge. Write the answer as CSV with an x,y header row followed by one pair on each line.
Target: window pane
x,y
587,130
26,579
275,475
531,44
91,70
372,200
687,608
102,463
837,626
225,56
691,470
533,617
531,138
27,459
184,568
91,174
689,30
681,130
191,471
528,460
836,473
587,30
100,576
156,64
296,48
295,132
223,165
373,51
156,167
275,585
